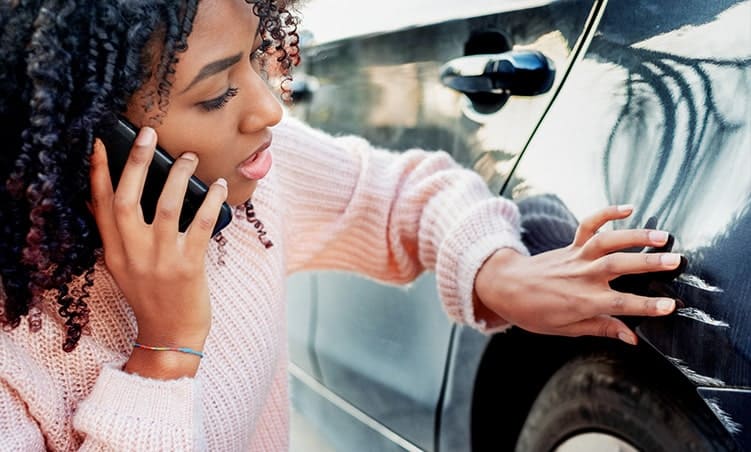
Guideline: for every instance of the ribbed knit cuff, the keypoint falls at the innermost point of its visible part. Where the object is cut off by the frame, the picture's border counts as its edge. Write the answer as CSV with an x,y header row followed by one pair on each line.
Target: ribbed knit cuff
x,y
130,412
490,226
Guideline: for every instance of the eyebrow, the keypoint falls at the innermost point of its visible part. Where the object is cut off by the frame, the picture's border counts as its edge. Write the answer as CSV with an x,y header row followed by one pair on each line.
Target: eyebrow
x,y
214,68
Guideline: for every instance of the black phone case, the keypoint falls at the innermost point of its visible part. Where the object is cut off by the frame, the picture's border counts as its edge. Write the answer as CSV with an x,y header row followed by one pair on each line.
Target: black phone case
x,y
118,141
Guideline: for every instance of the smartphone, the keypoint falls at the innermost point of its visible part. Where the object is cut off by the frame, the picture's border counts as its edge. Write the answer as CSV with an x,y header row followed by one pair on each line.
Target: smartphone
x,y
118,141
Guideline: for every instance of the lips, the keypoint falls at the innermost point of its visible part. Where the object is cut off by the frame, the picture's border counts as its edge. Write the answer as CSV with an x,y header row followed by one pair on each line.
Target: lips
x,y
258,164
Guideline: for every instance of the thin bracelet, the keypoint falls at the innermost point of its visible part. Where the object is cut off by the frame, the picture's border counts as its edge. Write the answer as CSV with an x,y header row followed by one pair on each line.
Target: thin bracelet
x,y
187,350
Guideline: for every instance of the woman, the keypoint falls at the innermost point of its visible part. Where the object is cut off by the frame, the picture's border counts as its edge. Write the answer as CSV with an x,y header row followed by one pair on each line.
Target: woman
x,y
167,341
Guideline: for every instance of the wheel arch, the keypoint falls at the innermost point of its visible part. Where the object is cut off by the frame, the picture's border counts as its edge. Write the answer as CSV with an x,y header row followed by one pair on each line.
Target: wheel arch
x,y
501,399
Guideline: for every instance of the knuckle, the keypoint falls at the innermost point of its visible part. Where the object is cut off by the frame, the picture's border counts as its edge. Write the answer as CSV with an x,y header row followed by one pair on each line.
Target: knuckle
x,y
167,211
608,265
595,243
138,269
121,205
604,329
139,156
204,222
618,304
97,201
185,271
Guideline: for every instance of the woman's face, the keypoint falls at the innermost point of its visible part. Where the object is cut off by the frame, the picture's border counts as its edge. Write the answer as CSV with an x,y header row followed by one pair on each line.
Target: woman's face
x,y
220,108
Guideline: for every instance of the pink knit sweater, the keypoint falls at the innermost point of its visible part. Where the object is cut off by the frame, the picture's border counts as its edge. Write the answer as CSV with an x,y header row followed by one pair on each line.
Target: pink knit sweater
x,y
333,203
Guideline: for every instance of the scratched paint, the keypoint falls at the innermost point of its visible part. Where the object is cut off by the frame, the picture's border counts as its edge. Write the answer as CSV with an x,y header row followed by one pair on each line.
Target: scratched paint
x,y
701,380
701,316
732,426
695,281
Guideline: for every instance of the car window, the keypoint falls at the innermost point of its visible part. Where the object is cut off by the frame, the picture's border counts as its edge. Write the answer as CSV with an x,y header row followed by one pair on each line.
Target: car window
x,y
330,20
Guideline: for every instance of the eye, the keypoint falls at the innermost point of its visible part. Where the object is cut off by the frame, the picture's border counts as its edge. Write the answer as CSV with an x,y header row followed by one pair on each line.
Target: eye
x,y
221,101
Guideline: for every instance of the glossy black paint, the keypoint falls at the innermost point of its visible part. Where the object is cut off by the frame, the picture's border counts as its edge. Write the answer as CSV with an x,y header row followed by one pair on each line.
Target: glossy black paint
x,y
654,111
641,158
666,127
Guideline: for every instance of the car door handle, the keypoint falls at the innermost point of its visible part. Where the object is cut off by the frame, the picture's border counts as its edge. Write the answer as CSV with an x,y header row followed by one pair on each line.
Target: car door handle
x,y
517,72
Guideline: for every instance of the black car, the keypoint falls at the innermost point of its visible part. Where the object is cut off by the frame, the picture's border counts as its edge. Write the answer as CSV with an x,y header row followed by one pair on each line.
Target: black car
x,y
564,106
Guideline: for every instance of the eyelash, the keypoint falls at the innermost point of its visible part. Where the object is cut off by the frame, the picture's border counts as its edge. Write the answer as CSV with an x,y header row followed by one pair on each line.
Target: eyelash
x,y
221,101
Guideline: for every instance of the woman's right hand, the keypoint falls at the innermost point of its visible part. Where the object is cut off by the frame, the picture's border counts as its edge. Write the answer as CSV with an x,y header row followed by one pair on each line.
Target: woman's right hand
x,y
160,270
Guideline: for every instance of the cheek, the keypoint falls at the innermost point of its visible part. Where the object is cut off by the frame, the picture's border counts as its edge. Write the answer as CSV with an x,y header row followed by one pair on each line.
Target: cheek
x,y
213,149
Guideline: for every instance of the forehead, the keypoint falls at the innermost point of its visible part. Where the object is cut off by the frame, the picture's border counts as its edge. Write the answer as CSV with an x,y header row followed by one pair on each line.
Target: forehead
x,y
221,29
219,21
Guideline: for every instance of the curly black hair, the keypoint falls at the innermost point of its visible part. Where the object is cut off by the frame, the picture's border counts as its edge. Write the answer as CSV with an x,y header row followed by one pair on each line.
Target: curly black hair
x,y
69,67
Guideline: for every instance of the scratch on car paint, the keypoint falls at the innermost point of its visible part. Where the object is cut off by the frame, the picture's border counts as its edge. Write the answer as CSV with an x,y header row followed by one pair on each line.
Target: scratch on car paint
x,y
695,281
701,316
700,380
732,426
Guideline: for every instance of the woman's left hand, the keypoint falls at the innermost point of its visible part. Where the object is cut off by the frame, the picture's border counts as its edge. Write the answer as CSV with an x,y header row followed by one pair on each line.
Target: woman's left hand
x,y
566,292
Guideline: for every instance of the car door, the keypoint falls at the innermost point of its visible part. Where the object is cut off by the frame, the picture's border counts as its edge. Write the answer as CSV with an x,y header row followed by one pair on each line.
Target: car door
x,y
657,113
381,70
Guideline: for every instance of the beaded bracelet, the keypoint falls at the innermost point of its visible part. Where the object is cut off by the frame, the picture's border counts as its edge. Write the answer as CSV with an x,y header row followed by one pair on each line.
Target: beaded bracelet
x,y
187,350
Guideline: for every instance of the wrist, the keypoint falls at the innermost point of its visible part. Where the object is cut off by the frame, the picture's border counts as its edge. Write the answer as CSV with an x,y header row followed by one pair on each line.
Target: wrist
x,y
165,364
493,279
162,365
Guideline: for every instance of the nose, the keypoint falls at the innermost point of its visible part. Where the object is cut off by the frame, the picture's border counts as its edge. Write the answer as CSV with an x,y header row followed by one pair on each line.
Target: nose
x,y
262,108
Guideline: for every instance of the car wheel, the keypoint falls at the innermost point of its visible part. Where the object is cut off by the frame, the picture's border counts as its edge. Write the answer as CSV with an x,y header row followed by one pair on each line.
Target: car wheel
x,y
597,403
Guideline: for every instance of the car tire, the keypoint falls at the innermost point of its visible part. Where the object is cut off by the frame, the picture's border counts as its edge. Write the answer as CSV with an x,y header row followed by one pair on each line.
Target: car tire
x,y
604,396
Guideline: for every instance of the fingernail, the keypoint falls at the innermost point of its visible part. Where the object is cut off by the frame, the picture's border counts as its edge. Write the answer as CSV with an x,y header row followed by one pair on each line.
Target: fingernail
x,y
145,136
670,259
189,156
666,305
658,236
221,182
625,208
627,338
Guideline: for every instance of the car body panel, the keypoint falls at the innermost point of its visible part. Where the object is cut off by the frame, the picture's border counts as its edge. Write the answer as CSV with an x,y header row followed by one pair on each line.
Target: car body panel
x,y
653,112
633,130
731,405
659,117
381,348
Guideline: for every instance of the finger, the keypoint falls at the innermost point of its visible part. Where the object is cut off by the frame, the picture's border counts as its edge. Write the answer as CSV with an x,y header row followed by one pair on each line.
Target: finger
x,y
101,198
611,241
130,188
601,326
172,197
590,225
619,303
614,265
198,234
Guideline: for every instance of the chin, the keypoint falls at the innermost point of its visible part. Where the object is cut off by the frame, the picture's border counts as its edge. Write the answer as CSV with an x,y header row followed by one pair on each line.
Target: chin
x,y
239,194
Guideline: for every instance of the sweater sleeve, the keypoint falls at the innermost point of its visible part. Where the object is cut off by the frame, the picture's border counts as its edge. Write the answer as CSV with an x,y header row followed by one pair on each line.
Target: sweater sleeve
x,y
390,215
18,430
124,412
129,412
